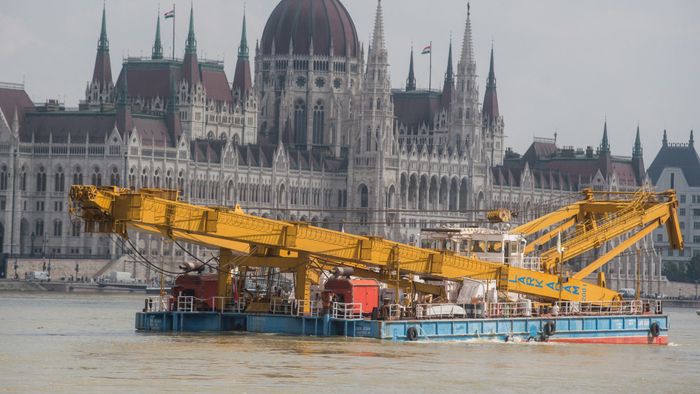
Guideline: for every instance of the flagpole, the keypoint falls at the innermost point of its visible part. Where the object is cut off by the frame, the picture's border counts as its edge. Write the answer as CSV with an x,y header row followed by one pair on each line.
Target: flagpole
x,y
173,31
430,76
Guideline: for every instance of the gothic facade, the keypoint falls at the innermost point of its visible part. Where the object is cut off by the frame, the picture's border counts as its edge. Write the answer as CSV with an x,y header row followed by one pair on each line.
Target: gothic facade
x,y
315,134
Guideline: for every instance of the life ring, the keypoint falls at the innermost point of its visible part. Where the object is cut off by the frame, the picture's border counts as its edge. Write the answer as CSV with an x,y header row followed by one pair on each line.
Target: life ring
x,y
655,329
549,328
412,334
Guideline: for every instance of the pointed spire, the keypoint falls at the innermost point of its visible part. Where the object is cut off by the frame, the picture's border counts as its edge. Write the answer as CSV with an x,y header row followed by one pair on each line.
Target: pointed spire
x,y
411,81
378,48
637,151
157,52
448,86
190,63
605,144
491,82
490,106
191,44
102,73
243,51
691,142
467,57
242,80
664,141
103,44
449,74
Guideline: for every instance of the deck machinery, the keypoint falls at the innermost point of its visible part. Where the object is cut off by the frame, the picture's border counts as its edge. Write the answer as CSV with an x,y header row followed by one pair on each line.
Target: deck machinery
x,y
246,241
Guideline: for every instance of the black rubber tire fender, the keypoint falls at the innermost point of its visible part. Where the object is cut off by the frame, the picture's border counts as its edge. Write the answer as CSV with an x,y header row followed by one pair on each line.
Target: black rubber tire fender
x,y
549,328
412,334
655,329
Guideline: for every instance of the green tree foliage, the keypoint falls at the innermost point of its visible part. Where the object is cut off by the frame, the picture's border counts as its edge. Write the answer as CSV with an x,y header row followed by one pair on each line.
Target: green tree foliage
x,y
683,272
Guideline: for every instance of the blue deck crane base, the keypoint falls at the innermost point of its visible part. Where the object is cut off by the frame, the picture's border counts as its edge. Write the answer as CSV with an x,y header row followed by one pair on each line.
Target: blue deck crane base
x,y
615,329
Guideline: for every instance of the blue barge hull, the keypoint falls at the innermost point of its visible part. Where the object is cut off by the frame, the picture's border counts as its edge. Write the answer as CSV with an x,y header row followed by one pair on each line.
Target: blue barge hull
x,y
619,329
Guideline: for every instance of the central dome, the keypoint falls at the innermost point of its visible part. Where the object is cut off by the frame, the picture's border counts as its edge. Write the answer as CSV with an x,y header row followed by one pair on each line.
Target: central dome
x,y
325,22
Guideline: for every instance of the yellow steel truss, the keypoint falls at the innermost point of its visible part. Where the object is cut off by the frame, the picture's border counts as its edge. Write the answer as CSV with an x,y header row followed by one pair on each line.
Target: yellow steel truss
x,y
294,245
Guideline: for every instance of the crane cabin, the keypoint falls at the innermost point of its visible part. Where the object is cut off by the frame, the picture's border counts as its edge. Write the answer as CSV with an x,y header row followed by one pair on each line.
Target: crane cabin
x,y
483,243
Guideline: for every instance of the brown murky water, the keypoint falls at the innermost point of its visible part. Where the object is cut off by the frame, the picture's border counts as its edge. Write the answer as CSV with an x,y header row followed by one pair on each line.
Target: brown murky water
x,y
87,343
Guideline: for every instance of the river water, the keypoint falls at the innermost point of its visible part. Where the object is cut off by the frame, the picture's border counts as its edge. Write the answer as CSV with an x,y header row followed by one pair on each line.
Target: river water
x,y
52,342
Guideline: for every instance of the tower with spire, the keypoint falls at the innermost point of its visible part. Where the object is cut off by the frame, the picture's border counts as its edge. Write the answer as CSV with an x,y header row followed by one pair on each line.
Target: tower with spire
x,y
638,159
99,94
411,81
449,84
191,93
157,52
242,88
375,144
466,118
492,121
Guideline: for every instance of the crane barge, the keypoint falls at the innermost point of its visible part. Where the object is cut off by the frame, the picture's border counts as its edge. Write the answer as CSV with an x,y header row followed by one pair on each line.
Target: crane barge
x,y
459,284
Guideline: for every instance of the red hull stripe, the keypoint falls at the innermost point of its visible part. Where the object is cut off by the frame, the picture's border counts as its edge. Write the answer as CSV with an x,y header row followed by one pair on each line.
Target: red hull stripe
x,y
645,340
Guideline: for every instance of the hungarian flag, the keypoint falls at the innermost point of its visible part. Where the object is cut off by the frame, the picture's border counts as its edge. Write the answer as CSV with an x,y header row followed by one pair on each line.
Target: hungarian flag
x,y
427,50
170,14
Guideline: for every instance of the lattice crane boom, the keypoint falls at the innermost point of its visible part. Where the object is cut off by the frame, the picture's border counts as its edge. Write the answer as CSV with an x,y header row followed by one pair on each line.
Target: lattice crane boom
x,y
113,210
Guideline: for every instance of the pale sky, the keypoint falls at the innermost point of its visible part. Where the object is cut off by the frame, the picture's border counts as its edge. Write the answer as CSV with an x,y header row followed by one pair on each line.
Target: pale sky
x,y
561,65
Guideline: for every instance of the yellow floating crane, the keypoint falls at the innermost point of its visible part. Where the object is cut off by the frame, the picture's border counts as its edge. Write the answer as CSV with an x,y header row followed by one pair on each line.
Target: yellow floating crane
x,y
590,223
305,250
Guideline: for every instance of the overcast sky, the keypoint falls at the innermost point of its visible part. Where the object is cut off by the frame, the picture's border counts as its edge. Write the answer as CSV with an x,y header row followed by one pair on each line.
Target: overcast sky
x,y
561,65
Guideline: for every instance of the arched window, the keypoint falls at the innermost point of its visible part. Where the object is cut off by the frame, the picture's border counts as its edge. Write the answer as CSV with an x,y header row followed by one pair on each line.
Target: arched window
x,y
364,196
132,178
41,180
156,178
4,176
281,196
23,179
368,140
78,176
230,192
144,177
300,122
169,179
114,177
181,182
319,115
97,176
59,180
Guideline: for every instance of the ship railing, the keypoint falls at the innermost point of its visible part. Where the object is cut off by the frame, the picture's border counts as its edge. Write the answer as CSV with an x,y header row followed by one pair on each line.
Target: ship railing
x,y
598,308
227,305
279,306
300,307
157,304
185,303
393,311
347,311
510,309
